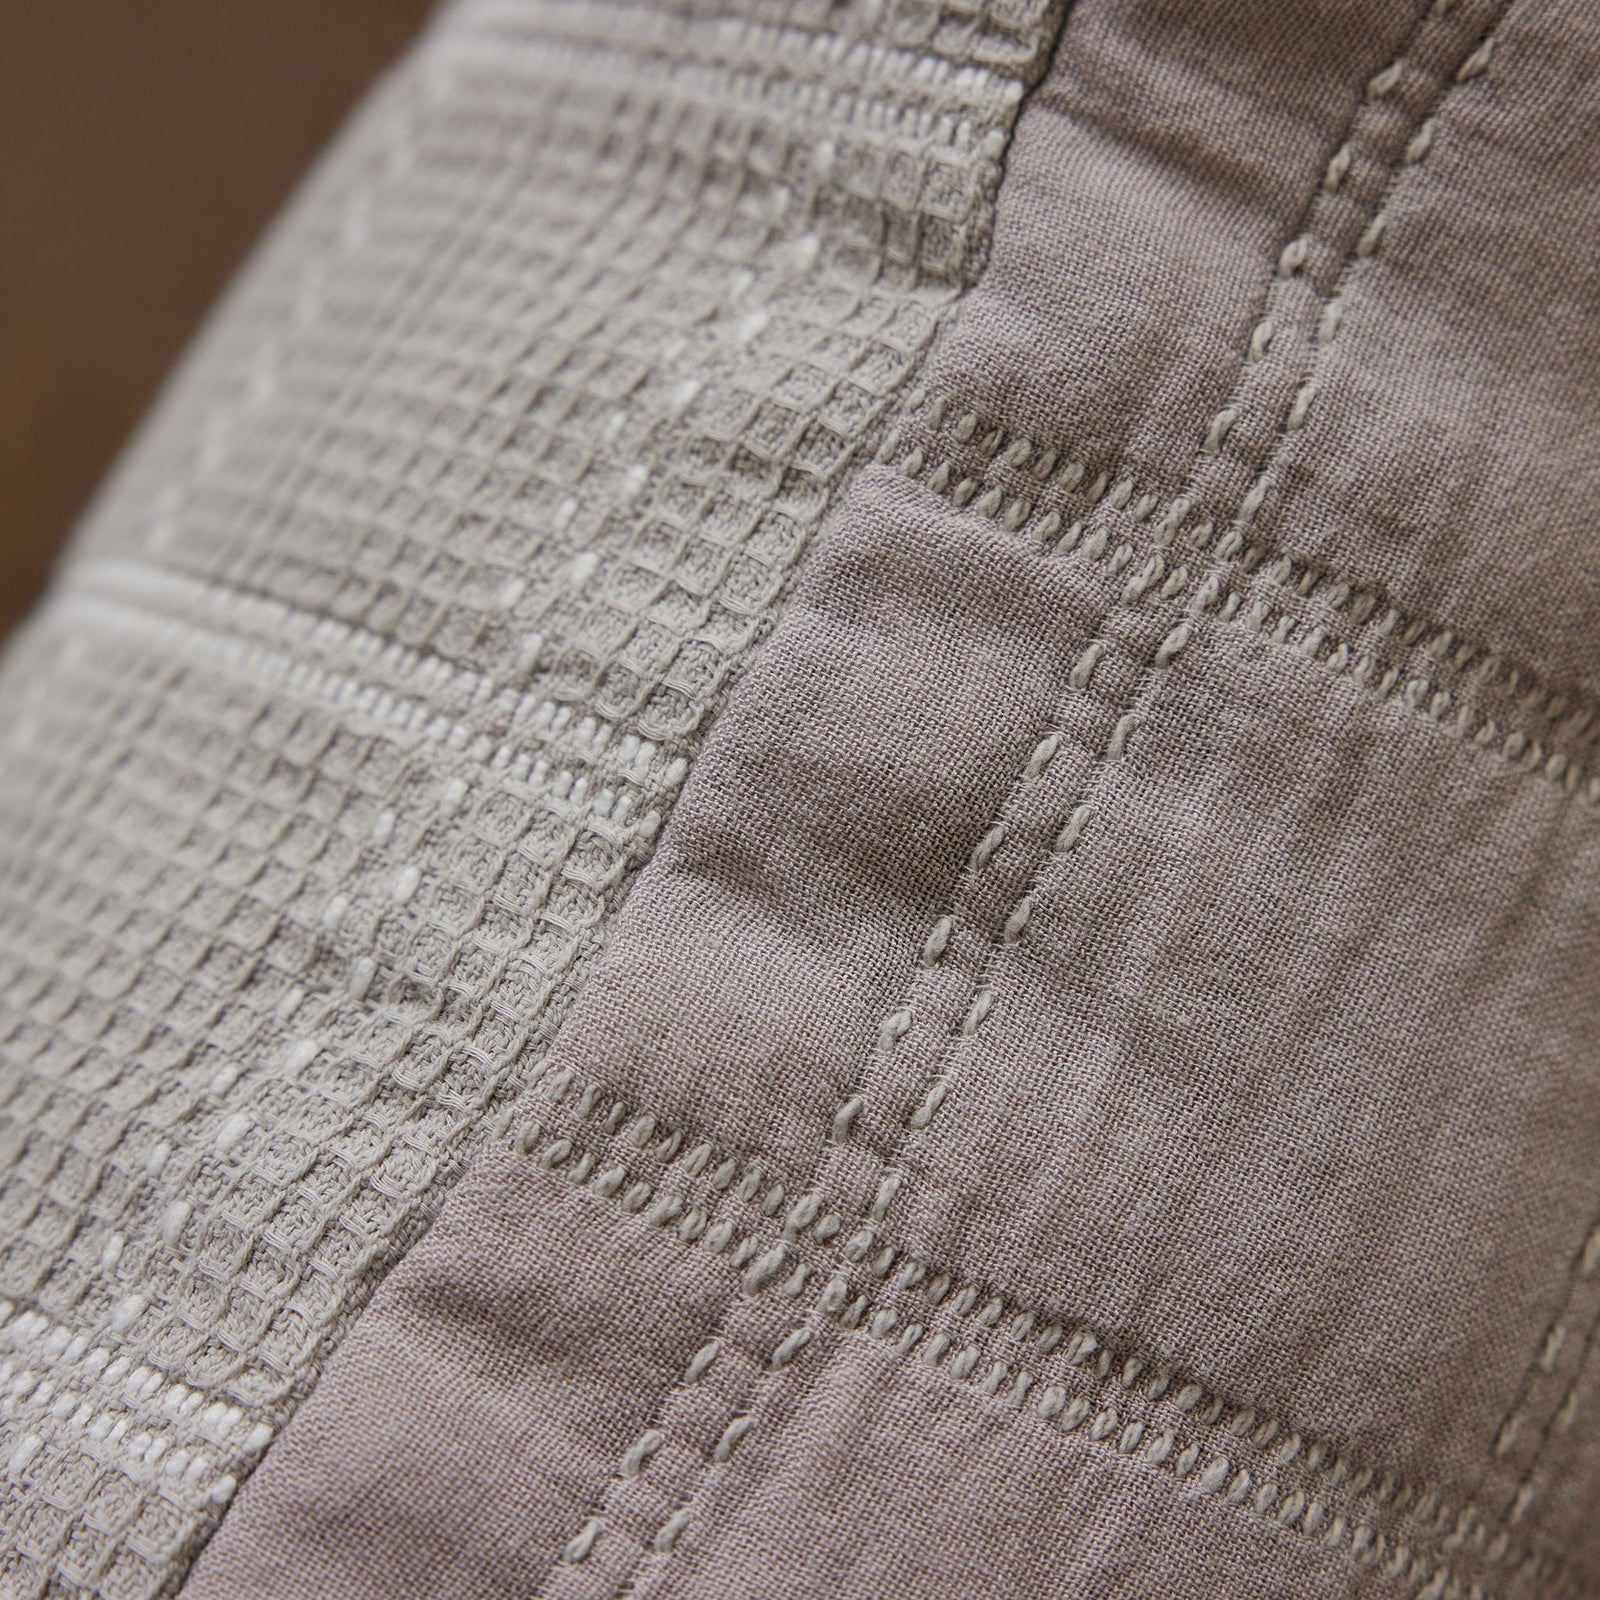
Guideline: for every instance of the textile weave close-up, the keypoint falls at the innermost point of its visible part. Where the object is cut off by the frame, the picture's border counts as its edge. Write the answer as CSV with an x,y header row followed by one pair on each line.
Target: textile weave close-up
x,y
819,816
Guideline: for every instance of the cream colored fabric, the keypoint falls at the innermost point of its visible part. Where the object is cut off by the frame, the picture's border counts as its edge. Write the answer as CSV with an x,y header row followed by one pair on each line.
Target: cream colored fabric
x,y
374,674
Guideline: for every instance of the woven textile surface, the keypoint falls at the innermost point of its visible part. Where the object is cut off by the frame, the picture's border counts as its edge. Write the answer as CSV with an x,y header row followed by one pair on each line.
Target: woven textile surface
x,y
1096,1092
374,673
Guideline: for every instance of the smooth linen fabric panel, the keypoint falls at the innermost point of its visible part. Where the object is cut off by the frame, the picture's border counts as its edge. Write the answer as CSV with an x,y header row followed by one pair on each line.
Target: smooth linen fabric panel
x,y
1116,998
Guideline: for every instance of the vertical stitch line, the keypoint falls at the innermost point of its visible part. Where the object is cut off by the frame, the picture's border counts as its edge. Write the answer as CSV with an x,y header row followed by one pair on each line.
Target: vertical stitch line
x,y
1007,99
1585,1264
1174,642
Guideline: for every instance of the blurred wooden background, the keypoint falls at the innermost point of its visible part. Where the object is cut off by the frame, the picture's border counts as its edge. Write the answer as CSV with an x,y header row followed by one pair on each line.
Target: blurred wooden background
x,y
143,146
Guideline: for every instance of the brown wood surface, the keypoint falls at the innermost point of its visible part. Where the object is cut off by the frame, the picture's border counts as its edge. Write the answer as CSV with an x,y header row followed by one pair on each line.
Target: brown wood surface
x,y
143,146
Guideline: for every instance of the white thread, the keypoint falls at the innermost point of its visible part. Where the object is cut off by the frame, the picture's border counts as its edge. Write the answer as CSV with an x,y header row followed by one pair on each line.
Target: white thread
x,y
935,1097
857,1245
1421,142
1477,62
1081,673
1073,1414
300,1055
1173,643
667,1535
937,942
893,1028
1017,921
1384,81
977,1012
1568,1412
765,1269
233,1129
731,1435
884,1198
1300,409
983,852
835,1295
1551,1350
790,1347
1294,256
405,884
1118,742
582,1543
683,396
638,1454
173,1221
1338,167
1589,1262
1043,754
127,1311
1221,427
844,1118
22,1453
1167,528
751,324
1141,580
1371,238
1073,831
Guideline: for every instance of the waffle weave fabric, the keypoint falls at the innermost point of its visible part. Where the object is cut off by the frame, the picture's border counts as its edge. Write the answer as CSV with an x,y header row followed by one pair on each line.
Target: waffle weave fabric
x,y
376,670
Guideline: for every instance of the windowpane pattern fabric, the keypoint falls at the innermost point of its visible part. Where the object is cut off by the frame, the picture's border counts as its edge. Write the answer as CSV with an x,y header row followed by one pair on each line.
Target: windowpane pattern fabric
x,y
1096,1092
376,670
1092,1089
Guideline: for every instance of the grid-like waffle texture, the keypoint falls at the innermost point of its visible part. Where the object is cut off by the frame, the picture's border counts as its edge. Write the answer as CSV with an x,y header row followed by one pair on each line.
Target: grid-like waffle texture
x,y
377,667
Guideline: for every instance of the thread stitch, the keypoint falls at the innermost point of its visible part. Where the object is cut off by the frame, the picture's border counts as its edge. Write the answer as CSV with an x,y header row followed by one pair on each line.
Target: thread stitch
x,y
1416,149
1531,755
991,503
1558,1413
1310,1507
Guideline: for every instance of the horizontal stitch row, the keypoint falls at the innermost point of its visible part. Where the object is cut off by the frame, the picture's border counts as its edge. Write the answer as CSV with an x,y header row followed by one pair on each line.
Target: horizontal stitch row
x,y
138,1446
109,585
1303,1507
1325,1469
915,108
1441,706
732,42
608,811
